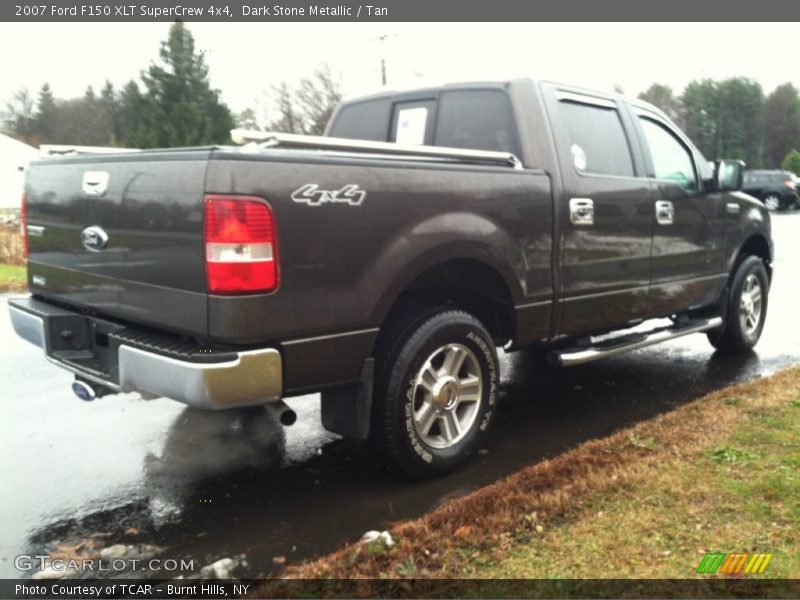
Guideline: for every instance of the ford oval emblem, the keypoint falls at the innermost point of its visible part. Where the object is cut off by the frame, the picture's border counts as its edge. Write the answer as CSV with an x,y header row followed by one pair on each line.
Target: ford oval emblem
x,y
94,238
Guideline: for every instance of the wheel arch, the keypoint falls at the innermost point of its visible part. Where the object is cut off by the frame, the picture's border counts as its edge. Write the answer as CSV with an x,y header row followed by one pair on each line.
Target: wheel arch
x,y
755,244
465,282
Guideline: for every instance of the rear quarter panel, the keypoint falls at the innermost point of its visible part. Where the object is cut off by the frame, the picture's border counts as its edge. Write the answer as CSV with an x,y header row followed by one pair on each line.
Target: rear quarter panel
x,y
343,266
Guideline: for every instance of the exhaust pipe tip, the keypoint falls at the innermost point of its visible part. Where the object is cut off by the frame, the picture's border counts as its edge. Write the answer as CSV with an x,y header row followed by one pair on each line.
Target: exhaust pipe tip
x,y
282,412
84,391
288,417
88,391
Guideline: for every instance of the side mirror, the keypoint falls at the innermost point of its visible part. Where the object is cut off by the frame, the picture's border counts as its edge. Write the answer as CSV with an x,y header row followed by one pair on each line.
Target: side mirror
x,y
728,175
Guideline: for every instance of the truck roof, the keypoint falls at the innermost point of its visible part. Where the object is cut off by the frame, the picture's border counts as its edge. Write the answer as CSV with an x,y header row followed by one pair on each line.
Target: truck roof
x,y
403,94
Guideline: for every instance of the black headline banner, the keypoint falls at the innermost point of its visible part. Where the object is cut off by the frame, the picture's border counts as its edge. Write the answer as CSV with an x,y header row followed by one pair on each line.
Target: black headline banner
x,y
376,11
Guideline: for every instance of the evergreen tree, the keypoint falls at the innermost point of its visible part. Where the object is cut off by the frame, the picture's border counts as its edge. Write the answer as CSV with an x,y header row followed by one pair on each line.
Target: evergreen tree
x,y
45,120
740,101
724,118
662,97
792,162
110,110
179,107
781,124
130,107
699,99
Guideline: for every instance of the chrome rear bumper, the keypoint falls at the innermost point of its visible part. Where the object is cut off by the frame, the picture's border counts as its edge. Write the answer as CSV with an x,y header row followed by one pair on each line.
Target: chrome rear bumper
x,y
252,377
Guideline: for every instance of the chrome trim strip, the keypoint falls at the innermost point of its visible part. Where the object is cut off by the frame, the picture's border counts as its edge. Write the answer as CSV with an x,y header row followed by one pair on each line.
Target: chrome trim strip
x,y
585,99
35,230
579,357
64,149
271,139
533,304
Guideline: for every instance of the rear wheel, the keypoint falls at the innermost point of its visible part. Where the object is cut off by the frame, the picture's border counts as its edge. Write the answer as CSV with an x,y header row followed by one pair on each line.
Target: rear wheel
x,y
435,392
746,310
772,202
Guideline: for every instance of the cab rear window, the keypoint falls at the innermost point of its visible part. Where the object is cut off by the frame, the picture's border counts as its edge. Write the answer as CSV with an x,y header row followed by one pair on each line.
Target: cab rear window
x,y
476,119
368,120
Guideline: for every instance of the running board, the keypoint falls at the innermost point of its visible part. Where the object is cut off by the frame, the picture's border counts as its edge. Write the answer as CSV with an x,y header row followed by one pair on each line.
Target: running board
x,y
610,347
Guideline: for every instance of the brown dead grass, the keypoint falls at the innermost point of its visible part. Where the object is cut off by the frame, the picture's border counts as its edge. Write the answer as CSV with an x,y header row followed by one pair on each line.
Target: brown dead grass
x,y
495,519
11,245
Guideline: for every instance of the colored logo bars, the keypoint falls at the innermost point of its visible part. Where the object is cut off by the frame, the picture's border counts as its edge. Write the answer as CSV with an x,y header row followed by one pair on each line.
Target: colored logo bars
x,y
735,562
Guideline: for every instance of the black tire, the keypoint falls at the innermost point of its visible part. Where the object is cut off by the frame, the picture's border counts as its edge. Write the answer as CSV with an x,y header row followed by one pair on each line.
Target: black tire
x,y
735,336
410,341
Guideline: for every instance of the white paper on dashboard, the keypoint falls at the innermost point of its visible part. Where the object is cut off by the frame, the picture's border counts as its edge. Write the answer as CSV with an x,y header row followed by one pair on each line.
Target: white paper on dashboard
x,y
411,126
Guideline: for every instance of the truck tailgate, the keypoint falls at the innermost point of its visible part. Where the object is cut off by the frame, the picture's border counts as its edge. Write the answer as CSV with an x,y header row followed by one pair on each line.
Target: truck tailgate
x,y
122,234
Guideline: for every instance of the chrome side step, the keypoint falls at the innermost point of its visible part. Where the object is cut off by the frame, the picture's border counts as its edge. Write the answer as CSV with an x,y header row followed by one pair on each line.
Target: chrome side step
x,y
610,347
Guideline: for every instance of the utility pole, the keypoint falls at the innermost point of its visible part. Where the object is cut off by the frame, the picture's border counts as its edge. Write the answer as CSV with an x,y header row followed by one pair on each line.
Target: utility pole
x,y
383,38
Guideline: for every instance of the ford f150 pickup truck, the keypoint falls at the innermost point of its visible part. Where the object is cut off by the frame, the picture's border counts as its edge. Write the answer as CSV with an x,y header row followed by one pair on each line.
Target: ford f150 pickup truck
x,y
383,263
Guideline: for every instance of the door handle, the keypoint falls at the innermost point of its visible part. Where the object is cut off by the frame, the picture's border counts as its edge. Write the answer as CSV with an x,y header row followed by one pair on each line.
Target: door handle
x,y
581,211
733,208
665,212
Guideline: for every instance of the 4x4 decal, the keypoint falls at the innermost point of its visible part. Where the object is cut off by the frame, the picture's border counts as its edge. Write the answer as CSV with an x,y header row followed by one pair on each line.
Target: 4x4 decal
x,y
312,195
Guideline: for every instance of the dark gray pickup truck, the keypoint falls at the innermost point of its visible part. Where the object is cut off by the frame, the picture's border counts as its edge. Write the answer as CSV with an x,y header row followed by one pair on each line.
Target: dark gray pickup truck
x,y
384,263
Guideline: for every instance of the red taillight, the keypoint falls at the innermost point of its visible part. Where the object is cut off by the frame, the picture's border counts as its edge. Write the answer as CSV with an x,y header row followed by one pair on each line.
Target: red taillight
x,y
241,245
23,220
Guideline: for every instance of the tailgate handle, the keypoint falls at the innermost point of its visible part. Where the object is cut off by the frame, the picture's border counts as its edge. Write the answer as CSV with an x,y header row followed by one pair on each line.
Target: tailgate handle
x,y
95,183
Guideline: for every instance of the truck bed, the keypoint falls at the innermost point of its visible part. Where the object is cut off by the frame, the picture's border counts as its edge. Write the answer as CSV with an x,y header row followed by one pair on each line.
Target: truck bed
x,y
341,264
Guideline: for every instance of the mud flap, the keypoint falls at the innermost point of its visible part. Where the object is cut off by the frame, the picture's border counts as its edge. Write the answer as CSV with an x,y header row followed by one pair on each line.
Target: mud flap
x,y
347,410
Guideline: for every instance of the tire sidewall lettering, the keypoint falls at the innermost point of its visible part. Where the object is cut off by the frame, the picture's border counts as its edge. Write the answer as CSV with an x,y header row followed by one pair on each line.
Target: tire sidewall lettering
x,y
489,365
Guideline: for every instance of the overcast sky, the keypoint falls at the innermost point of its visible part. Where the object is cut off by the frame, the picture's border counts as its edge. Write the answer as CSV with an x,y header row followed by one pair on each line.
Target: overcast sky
x,y
246,58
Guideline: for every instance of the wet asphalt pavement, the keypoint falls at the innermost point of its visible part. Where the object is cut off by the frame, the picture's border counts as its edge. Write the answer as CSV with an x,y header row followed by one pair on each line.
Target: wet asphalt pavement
x,y
211,485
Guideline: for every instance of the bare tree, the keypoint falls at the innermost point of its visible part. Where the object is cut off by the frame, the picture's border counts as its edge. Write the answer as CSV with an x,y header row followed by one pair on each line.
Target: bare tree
x,y
289,120
307,107
19,115
246,119
317,97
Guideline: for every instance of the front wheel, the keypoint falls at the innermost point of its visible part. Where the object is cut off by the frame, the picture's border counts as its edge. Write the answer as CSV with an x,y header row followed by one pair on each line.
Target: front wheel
x,y
436,388
746,310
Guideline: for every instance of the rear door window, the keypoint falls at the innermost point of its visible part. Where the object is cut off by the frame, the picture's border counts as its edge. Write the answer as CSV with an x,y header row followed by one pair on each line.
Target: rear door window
x,y
598,143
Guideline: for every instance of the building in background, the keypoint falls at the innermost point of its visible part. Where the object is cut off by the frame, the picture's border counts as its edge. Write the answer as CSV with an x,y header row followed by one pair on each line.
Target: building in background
x,y
14,158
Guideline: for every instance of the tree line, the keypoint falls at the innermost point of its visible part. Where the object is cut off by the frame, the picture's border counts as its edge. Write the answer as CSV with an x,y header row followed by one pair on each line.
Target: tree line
x,y
173,104
733,118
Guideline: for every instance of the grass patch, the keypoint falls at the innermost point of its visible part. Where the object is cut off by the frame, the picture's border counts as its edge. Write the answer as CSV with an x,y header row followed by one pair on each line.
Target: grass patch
x,y
726,454
13,278
721,474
